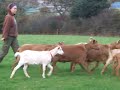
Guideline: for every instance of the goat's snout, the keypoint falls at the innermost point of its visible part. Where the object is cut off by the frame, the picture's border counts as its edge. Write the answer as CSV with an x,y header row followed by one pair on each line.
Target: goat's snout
x,y
60,51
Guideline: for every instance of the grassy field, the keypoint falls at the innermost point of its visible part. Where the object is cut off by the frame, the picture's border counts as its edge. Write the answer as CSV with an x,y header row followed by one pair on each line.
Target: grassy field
x,y
62,79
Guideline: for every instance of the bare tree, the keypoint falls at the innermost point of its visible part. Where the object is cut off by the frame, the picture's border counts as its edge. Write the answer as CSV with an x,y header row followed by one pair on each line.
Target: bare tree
x,y
62,6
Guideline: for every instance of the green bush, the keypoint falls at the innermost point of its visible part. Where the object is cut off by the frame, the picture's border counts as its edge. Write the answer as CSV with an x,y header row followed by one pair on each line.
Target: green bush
x,y
2,14
88,8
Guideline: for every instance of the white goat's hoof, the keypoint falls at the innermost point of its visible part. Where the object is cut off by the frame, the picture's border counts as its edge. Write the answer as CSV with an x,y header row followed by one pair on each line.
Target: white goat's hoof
x,y
49,74
11,77
44,77
28,76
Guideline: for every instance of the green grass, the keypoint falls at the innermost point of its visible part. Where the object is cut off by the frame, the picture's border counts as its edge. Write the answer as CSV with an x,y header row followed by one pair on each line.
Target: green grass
x,y
62,79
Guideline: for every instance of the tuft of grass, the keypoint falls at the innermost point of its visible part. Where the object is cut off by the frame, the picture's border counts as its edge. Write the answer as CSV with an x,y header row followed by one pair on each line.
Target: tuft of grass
x,y
62,79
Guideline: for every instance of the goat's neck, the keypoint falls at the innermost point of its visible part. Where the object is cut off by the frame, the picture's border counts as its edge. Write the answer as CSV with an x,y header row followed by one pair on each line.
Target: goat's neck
x,y
53,51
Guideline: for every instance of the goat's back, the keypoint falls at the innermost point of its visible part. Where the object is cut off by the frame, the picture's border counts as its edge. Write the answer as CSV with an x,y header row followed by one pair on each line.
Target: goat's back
x,y
36,47
35,57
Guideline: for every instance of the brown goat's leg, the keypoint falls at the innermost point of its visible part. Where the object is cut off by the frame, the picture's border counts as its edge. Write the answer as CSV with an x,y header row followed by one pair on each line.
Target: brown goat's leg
x,y
96,65
72,67
114,67
82,66
118,67
54,65
15,62
117,70
85,65
104,68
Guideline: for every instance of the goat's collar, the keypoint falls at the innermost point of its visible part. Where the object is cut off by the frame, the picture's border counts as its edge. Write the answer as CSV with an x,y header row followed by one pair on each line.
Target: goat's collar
x,y
51,54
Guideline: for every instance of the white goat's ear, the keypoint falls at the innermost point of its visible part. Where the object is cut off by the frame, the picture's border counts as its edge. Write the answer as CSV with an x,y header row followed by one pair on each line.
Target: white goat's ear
x,y
118,41
60,43
58,46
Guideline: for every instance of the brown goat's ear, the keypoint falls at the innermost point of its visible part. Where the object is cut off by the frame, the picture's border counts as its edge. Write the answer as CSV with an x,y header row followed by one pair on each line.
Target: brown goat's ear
x,y
94,41
91,38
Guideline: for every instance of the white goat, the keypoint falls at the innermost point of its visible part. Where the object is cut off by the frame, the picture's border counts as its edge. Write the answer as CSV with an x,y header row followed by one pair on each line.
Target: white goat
x,y
36,57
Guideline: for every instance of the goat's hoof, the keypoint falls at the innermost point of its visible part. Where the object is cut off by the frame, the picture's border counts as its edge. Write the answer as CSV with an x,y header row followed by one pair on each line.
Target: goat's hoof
x,y
11,77
92,70
48,74
43,76
90,73
113,74
28,76
102,73
71,71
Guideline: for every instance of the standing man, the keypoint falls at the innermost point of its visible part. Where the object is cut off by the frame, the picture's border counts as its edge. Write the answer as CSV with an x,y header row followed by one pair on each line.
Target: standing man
x,y
10,33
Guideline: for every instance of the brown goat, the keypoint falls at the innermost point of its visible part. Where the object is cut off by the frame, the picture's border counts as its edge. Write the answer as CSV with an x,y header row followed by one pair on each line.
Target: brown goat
x,y
99,55
102,54
76,54
113,46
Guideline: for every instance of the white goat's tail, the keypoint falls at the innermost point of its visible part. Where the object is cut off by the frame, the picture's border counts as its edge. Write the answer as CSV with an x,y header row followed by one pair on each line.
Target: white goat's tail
x,y
17,54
